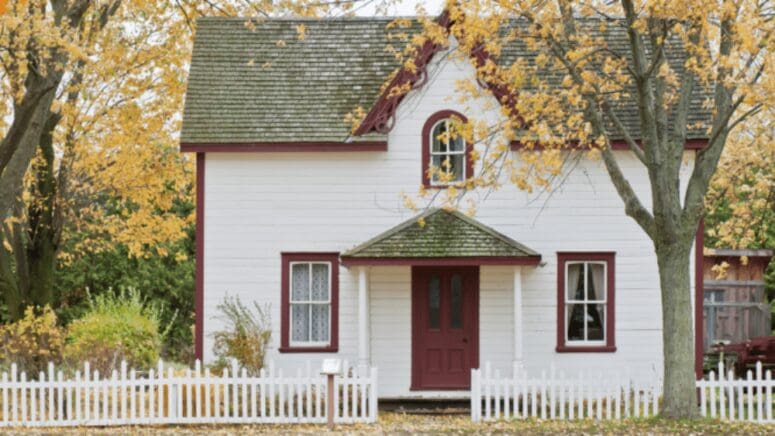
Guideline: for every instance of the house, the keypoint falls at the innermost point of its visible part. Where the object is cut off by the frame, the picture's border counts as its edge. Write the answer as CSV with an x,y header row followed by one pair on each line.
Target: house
x,y
296,211
735,305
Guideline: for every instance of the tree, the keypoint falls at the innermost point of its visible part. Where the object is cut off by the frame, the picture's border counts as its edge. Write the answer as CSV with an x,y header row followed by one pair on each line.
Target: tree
x,y
724,51
98,156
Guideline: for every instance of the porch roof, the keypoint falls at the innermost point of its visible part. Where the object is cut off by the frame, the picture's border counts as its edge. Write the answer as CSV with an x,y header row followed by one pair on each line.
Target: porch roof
x,y
441,237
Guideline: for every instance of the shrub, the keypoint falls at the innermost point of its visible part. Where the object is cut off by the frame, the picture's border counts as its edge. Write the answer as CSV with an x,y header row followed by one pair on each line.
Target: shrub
x,y
116,327
245,337
33,341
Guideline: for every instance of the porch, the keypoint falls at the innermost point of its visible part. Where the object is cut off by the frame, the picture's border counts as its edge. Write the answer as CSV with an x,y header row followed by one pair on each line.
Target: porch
x,y
436,295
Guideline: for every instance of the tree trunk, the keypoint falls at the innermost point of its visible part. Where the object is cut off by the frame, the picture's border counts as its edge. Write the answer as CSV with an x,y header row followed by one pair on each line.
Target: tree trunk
x,y
43,239
680,398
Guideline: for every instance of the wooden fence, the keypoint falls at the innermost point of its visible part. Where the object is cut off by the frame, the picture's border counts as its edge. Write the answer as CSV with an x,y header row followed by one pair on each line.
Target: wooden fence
x,y
179,397
556,395
610,396
737,399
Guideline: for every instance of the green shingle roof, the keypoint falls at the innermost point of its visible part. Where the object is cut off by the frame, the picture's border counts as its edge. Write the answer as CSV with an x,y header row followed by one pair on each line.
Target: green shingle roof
x,y
442,233
262,84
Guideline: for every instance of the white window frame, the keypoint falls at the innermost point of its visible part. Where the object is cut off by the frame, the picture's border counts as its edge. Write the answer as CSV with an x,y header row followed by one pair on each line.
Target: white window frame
x,y
310,302
448,154
603,301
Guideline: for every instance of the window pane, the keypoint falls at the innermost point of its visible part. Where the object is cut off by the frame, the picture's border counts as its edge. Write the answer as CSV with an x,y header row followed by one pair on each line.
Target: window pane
x,y
300,282
434,301
595,282
320,315
456,302
300,322
436,162
575,321
456,167
457,144
596,322
575,282
439,130
320,282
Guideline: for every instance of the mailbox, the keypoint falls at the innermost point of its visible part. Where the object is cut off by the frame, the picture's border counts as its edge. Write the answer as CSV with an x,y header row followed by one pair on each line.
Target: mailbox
x,y
331,367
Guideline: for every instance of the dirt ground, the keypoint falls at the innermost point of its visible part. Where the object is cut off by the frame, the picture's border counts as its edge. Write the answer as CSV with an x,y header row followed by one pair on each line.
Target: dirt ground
x,y
400,423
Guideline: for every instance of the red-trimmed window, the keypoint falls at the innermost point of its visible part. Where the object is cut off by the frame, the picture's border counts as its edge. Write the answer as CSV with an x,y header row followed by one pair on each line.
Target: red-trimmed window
x,y
444,151
585,302
310,302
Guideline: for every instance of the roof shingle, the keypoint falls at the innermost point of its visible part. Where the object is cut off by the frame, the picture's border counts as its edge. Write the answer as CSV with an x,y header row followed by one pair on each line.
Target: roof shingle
x,y
244,86
443,233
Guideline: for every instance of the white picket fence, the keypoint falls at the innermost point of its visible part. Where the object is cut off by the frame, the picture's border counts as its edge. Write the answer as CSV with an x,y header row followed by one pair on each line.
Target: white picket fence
x,y
737,399
556,395
180,397
613,396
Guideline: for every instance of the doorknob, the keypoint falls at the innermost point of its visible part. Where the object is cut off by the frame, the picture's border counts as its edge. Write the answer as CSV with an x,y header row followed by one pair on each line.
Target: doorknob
x,y
465,340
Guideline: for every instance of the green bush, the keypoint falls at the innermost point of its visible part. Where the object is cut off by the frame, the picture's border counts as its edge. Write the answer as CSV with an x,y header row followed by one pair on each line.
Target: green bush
x,y
116,327
32,342
245,337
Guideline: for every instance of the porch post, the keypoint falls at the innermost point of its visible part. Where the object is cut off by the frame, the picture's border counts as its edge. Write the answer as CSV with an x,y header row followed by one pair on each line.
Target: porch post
x,y
518,345
363,317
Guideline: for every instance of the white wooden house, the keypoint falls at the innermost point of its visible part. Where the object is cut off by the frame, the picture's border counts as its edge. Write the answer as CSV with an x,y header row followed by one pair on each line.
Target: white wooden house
x,y
297,212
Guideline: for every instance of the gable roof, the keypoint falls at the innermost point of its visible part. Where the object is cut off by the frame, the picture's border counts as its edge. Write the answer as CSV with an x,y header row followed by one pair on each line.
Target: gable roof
x,y
246,87
443,234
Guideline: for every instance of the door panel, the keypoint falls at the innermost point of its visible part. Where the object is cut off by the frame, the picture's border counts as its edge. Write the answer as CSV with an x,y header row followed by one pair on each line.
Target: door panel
x,y
445,326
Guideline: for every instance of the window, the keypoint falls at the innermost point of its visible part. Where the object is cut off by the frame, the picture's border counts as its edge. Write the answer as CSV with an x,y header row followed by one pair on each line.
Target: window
x,y
585,302
444,151
310,294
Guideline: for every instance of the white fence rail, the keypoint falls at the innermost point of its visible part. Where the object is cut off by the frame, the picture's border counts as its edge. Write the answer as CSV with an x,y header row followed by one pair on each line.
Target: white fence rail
x,y
179,397
737,399
610,396
556,395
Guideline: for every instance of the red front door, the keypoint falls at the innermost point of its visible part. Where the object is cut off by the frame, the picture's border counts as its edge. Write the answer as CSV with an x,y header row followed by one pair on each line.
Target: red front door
x,y
445,326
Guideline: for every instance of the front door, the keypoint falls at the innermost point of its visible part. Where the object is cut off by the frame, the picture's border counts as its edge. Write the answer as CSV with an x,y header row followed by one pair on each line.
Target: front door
x,y
445,326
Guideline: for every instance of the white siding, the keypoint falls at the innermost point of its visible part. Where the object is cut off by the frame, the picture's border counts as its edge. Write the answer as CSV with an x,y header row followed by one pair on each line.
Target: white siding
x,y
259,205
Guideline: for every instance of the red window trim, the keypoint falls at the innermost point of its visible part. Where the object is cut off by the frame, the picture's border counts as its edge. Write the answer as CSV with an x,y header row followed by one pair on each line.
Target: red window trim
x,y
285,315
426,150
609,258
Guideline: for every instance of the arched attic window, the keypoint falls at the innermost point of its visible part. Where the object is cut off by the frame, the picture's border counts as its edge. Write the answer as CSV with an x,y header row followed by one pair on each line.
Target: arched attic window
x,y
444,151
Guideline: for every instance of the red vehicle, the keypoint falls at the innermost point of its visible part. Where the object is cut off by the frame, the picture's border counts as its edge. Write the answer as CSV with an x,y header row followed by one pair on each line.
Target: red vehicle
x,y
749,352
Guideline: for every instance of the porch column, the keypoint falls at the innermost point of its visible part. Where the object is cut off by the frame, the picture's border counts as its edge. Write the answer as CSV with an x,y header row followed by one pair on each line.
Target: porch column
x,y
518,345
363,317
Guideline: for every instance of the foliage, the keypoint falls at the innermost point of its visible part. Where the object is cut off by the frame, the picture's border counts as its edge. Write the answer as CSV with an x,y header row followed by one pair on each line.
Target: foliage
x,y
245,337
741,198
165,282
33,341
117,326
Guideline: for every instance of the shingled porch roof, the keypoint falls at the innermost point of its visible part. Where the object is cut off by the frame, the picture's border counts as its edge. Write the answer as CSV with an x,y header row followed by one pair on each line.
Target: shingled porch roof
x,y
441,237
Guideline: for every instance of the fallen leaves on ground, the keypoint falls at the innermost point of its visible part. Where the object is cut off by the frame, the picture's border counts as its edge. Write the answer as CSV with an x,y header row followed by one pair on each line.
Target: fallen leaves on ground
x,y
403,423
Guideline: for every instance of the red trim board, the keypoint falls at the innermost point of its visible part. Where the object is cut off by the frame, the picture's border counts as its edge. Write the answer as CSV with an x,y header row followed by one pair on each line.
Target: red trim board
x,y
285,315
610,314
442,261
426,147
199,255
283,147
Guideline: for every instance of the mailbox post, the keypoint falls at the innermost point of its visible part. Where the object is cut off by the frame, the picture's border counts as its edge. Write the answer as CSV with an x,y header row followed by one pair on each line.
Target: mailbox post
x,y
330,368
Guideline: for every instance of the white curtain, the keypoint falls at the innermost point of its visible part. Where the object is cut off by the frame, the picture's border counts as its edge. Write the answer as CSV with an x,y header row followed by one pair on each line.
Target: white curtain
x,y
571,285
320,313
597,292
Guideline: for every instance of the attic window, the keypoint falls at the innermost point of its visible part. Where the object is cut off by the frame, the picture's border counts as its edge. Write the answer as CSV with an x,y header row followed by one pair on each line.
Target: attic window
x,y
445,158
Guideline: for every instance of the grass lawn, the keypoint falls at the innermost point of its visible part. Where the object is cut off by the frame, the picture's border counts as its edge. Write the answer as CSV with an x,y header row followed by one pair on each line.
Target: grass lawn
x,y
398,423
